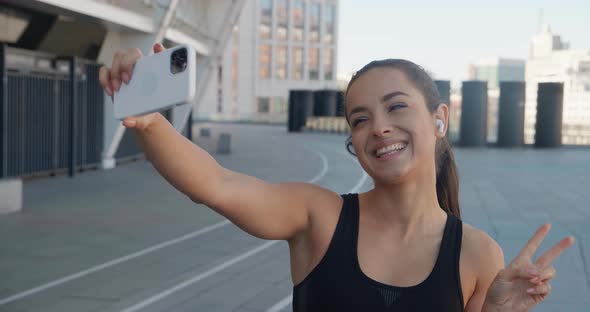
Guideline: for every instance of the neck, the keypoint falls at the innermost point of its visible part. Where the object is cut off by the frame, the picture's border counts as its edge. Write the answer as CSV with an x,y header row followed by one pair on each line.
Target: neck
x,y
408,208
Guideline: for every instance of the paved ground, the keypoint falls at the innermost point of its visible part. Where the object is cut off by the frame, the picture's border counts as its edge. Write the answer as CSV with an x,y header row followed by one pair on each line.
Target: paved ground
x,y
124,240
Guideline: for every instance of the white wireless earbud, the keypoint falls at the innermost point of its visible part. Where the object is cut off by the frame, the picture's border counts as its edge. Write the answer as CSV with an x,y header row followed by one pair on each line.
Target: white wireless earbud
x,y
440,125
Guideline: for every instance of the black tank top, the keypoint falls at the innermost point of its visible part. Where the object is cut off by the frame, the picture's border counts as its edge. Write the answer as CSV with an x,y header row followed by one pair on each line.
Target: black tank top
x,y
338,284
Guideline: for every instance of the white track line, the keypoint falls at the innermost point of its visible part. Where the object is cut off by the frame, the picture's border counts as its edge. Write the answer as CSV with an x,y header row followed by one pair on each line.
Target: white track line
x,y
283,303
112,262
197,278
279,306
161,295
141,252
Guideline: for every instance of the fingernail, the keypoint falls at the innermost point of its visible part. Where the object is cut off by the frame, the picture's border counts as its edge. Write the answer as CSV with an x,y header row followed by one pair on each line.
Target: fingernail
x,y
125,77
530,290
535,280
116,84
131,123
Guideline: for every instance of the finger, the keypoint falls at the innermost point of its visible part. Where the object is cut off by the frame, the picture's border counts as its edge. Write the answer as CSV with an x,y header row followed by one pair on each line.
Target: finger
x,y
158,47
533,244
548,257
546,275
127,63
130,123
115,71
543,289
104,77
526,271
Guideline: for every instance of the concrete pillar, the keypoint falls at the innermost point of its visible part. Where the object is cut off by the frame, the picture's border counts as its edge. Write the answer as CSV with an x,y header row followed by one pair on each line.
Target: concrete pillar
x,y
549,114
511,114
474,113
11,195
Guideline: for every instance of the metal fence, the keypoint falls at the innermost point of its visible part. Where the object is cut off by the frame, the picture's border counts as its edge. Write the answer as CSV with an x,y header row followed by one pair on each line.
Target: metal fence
x,y
43,130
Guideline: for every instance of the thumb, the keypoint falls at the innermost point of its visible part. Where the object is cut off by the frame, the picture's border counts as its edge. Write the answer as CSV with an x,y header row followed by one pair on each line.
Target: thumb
x,y
130,123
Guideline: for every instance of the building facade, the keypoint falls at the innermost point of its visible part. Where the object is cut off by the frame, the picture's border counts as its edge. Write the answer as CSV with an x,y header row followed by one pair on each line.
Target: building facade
x,y
277,45
551,60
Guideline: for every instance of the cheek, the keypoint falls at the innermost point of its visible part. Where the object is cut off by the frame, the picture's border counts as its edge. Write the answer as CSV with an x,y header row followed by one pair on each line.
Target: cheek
x,y
424,142
357,145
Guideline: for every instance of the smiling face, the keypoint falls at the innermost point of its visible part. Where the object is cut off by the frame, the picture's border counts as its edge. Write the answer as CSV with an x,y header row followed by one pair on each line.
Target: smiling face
x,y
393,131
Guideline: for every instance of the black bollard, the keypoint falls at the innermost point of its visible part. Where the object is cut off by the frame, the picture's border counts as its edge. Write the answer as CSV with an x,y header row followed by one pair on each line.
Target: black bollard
x,y
549,114
301,106
474,113
340,103
511,114
325,102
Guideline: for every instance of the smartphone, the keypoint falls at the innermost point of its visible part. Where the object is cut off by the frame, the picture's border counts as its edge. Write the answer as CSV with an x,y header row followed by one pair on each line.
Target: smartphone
x,y
158,82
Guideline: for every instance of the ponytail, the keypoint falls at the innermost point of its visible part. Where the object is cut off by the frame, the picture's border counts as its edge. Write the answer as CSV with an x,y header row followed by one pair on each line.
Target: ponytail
x,y
447,178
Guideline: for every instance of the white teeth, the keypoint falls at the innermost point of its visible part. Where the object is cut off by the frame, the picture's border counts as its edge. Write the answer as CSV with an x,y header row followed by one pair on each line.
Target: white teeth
x,y
393,147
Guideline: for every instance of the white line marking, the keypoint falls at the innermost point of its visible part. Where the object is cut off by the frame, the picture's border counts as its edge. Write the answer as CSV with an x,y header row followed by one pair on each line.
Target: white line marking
x,y
170,291
112,262
141,252
197,278
279,306
324,167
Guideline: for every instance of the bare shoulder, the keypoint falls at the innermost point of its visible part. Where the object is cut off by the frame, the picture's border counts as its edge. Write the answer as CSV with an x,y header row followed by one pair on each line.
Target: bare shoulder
x,y
314,195
318,200
480,250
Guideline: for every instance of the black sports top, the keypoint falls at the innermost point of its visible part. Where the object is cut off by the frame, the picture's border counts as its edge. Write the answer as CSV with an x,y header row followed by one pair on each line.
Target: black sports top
x,y
337,283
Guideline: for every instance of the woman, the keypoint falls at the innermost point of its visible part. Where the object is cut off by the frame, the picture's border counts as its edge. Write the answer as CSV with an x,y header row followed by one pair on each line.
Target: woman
x,y
399,247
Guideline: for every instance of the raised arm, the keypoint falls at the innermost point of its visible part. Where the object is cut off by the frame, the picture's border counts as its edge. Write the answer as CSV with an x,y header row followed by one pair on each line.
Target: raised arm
x,y
266,210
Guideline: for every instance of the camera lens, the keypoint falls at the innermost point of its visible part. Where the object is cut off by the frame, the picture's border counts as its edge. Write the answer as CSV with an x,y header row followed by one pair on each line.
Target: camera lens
x,y
178,61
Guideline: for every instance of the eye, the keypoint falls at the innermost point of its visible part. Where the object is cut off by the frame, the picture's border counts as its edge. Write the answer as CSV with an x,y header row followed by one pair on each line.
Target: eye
x,y
396,106
357,121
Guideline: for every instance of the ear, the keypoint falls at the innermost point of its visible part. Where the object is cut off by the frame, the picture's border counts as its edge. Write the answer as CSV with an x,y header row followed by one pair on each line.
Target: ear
x,y
442,113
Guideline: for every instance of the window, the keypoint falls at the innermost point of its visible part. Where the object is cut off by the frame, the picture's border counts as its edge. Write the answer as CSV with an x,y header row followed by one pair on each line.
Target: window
x,y
265,26
263,104
329,20
314,63
297,63
279,105
264,55
328,64
282,19
314,22
298,19
281,62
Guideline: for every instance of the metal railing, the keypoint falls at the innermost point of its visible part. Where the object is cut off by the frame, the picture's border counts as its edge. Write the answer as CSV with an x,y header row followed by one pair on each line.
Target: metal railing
x,y
44,130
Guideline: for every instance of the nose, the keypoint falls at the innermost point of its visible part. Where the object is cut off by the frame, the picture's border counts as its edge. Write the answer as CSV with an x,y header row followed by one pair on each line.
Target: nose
x,y
381,127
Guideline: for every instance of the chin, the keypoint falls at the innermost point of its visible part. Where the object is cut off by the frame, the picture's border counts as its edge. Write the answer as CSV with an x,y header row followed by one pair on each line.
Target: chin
x,y
391,176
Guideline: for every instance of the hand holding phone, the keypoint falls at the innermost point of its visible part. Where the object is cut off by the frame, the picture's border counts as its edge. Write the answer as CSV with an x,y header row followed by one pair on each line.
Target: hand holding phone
x,y
141,86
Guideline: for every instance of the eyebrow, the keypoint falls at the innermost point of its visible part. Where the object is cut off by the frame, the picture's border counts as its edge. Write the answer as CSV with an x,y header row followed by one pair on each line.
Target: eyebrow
x,y
391,95
384,98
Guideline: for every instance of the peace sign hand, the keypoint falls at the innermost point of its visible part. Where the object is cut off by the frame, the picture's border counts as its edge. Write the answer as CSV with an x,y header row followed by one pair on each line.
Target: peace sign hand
x,y
523,284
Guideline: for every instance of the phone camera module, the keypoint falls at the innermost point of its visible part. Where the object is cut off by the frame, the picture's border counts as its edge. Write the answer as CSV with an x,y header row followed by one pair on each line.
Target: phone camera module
x,y
178,61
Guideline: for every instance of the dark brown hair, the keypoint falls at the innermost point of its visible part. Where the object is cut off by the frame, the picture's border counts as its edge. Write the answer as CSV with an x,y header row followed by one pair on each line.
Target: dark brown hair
x,y
447,179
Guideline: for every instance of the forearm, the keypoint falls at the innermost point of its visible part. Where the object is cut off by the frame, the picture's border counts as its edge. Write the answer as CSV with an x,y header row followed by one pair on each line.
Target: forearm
x,y
189,168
